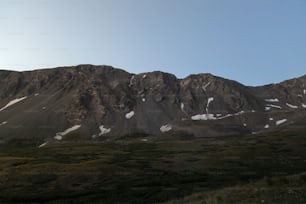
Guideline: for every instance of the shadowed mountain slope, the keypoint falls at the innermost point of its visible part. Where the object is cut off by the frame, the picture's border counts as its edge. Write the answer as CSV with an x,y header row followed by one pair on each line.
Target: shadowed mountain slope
x,y
101,102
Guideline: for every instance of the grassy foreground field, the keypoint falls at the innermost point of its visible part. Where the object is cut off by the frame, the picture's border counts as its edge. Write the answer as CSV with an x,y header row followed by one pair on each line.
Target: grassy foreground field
x,y
237,169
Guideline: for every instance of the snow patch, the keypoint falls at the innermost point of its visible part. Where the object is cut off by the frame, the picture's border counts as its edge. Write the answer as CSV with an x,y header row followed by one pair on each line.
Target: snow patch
x,y
59,135
182,106
271,119
12,102
211,99
239,113
274,106
205,86
143,100
267,126
37,94
244,124
132,81
204,117
42,145
303,105
104,130
3,123
165,128
144,140
272,100
291,106
129,115
267,108
144,76
304,91
230,115
279,122
214,117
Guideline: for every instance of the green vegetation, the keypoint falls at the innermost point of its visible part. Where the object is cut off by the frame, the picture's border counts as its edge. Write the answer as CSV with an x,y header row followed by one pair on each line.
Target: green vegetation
x,y
272,190
235,169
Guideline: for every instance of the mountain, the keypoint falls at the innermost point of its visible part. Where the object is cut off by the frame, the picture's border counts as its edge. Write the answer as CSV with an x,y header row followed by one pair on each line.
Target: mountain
x,y
100,102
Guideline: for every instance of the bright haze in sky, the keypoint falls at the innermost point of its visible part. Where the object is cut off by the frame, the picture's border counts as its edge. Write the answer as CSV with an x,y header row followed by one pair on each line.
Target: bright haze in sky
x,y
252,41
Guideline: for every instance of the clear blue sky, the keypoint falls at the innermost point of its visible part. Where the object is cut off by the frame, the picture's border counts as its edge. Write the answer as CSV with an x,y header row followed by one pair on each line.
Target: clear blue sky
x,y
251,41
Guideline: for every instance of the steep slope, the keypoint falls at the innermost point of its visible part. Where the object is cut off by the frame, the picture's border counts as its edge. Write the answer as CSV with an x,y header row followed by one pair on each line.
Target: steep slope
x,y
290,94
101,102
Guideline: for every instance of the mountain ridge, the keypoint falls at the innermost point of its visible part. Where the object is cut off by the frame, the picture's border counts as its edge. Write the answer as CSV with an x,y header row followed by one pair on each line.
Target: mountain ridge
x,y
104,102
122,69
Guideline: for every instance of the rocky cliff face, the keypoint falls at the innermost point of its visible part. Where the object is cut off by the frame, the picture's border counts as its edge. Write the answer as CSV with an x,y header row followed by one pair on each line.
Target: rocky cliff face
x,y
98,102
